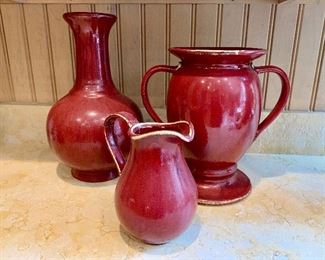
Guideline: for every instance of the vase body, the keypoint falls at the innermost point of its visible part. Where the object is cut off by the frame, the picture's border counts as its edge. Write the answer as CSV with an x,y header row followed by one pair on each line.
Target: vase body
x,y
75,122
156,195
218,90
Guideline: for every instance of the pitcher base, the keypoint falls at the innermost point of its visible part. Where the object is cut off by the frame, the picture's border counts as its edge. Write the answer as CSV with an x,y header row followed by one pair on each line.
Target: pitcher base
x,y
225,190
94,176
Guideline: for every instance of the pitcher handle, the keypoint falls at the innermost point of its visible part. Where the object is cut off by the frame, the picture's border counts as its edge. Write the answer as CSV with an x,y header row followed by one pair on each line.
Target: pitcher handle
x,y
144,88
111,138
279,106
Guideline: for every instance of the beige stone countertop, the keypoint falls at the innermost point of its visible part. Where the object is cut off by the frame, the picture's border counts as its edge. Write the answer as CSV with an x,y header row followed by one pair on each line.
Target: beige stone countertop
x,y
46,214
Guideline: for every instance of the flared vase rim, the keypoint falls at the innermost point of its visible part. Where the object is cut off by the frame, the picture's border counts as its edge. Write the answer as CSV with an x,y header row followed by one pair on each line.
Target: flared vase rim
x,y
218,50
90,14
160,131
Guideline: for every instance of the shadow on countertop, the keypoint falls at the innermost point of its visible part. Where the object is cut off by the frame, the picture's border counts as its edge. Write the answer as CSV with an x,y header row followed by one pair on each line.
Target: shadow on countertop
x,y
255,166
259,166
178,244
64,173
27,152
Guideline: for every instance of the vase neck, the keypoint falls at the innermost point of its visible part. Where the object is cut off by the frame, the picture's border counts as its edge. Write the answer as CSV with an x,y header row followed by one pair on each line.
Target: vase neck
x,y
91,32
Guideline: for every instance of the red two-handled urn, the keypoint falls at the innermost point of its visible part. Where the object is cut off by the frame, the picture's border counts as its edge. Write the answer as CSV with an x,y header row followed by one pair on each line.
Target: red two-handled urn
x,y
218,90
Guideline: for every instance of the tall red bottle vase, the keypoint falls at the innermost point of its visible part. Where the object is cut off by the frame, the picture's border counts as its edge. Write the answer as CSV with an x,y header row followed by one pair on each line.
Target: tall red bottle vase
x,y
75,122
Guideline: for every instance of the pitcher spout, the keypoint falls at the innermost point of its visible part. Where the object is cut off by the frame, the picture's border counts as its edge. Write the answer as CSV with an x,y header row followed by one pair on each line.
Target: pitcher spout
x,y
143,134
184,130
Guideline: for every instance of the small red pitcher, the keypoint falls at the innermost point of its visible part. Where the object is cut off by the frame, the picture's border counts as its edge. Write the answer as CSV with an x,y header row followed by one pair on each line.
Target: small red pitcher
x,y
156,195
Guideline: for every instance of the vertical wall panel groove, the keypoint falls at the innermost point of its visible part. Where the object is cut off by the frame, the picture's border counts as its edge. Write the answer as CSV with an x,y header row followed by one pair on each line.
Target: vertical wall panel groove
x,y
232,25
113,41
155,39
76,8
320,60
193,24
119,48
28,58
167,46
143,41
245,25
6,88
219,25
320,100
50,53
143,38
60,49
269,51
295,50
180,29
72,48
13,30
283,38
206,25
307,53
319,103
258,30
130,16
39,52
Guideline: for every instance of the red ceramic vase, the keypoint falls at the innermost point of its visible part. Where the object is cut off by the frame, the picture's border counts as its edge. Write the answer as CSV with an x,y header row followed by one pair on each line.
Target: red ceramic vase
x,y
156,195
75,122
218,90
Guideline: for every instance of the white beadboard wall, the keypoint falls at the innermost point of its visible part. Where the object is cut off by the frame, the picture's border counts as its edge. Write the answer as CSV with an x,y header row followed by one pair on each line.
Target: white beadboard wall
x,y
37,49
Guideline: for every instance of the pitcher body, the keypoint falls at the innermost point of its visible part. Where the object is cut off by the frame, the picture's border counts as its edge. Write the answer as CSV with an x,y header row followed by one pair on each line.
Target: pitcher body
x,y
156,195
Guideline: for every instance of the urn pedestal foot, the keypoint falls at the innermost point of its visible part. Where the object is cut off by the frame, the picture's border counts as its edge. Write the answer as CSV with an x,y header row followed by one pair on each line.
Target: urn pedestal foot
x,y
219,187
94,176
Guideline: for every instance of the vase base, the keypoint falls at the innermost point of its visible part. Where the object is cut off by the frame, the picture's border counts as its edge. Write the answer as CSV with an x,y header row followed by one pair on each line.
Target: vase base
x,y
94,176
224,190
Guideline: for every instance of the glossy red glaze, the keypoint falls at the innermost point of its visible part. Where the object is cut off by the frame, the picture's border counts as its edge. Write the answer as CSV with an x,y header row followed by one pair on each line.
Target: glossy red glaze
x,y
218,90
75,122
156,195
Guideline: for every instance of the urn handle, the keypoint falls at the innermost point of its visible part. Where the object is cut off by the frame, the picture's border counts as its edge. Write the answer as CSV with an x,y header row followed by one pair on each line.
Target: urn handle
x,y
279,106
144,87
110,136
